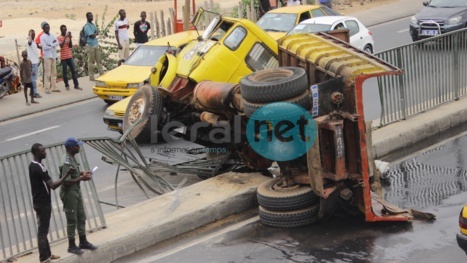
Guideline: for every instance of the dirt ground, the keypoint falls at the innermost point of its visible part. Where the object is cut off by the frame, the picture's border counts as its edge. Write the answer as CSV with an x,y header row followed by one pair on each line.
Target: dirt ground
x,y
21,15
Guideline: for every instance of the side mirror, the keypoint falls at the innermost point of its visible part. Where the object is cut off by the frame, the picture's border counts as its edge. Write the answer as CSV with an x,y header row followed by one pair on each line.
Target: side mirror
x,y
197,16
426,3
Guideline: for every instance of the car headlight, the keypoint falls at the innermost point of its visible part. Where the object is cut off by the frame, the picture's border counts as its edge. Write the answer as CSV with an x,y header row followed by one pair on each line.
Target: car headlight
x,y
109,113
454,20
100,83
414,20
134,85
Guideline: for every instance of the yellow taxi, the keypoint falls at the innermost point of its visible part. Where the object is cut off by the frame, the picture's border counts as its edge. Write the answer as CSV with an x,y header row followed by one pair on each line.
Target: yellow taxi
x,y
278,22
124,80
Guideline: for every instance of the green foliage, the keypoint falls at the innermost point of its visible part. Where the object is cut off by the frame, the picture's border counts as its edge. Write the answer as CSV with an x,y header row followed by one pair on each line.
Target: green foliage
x,y
246,4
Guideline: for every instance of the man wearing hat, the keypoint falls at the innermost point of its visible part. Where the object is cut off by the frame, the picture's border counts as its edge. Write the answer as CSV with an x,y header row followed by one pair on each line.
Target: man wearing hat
x,y
72,199
49,44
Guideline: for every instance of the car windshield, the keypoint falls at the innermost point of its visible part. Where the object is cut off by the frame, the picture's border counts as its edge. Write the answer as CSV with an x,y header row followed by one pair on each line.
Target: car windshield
x,y
309,28
448,3
146,55
277,22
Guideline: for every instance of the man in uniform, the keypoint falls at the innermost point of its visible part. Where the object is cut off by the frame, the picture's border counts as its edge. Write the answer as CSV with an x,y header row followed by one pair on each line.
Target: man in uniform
x,y
70,193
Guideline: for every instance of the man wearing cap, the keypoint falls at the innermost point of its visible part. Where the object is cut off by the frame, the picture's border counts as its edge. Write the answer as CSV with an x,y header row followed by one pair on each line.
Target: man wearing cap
x,y
70,193
49,44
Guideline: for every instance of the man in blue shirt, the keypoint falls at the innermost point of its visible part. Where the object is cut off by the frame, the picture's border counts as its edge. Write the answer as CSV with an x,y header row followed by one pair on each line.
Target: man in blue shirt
x,y
326,3
92,47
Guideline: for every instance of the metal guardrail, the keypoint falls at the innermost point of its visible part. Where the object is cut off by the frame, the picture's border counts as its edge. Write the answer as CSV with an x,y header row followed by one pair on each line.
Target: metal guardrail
x,y
434,73
18,226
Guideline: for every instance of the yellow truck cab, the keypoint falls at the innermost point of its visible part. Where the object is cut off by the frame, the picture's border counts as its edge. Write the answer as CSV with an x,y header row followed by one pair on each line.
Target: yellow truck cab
x,y
227,50
124,80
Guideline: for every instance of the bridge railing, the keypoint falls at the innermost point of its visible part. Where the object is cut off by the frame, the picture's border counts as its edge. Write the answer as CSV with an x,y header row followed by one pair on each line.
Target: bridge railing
x,y
434,73
18,225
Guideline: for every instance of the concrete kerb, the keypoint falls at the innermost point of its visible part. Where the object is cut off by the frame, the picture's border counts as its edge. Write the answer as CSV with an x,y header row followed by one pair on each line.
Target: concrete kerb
x,y
404,134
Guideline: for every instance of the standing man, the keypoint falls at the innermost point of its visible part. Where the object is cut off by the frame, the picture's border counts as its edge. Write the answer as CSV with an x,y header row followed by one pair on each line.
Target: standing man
x,y
33,55
121,34
70,193
66,57
41,183
49,44
92,47
141,29
326,3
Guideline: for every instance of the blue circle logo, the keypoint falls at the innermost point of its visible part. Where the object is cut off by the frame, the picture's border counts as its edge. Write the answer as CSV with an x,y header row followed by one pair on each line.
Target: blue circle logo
x,y
281,131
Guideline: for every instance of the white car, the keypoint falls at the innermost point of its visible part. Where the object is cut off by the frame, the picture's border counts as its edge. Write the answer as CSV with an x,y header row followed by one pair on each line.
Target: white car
x,y
360,36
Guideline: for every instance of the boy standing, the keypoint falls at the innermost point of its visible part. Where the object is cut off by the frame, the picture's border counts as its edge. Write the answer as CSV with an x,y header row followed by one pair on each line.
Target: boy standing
x,y
25,69
66,57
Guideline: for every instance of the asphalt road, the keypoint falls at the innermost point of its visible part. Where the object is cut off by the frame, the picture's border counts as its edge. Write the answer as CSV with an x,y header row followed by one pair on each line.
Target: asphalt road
x,y
433,180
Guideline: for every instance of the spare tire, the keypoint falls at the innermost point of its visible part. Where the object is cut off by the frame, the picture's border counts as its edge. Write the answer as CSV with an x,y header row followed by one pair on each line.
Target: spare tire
x,y
296,218
303,100
275,199
273,84
145,103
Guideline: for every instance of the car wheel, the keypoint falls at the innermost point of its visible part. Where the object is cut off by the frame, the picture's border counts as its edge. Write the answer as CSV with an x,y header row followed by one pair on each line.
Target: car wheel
x,y
275,198
4,88
145,103
289,219
368,49
303,100
110,102
274,84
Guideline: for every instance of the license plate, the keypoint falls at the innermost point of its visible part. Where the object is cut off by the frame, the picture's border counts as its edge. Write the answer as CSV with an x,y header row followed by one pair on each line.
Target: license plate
x,y
430,32
115,97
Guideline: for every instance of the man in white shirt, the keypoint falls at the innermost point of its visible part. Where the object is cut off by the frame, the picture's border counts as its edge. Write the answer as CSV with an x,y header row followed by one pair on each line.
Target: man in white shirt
x,y
49,44
33,55
121,34
293,2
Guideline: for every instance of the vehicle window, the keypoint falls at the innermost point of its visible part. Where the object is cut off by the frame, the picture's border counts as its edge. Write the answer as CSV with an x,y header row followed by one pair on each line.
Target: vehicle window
x,y
329,12
146,55
309,29
277,22
221,30
317,12
235,38
304,16
353,27
339,26
260,57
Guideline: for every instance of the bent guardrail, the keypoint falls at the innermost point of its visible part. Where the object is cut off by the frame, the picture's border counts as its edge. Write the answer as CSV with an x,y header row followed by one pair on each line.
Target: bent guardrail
x,y
18,226
434,73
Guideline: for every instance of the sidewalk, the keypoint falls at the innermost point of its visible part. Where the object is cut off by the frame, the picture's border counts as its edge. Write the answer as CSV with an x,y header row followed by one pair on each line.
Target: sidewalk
x,y
14,105
164,217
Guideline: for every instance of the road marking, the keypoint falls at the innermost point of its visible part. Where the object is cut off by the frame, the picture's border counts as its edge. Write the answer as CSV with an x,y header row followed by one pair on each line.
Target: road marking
x,y
402,31
32,133
200,240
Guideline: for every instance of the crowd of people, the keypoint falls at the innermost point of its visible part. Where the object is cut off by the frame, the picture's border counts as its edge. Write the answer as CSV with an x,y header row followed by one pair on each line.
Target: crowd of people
x,y
43,49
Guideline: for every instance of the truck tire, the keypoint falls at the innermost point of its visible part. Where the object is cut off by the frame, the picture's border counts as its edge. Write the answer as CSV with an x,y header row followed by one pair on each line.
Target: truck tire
x,y
302,217
284,200
275,84
303,100
146,102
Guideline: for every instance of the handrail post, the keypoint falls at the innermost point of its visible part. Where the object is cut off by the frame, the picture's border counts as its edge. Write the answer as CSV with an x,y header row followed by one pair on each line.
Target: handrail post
x,y
401,86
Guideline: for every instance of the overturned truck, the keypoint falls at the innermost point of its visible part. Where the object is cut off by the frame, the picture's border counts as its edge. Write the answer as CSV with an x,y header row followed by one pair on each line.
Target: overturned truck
x,y
306,116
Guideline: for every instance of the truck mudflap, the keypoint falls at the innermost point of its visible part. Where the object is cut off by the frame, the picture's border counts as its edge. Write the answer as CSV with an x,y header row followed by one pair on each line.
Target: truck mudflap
x,y
344,171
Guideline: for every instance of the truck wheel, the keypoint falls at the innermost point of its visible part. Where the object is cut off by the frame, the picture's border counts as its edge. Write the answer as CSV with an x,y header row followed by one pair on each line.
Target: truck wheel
x,y
289,219
272,198
273,84
145,103
303,100
109,102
